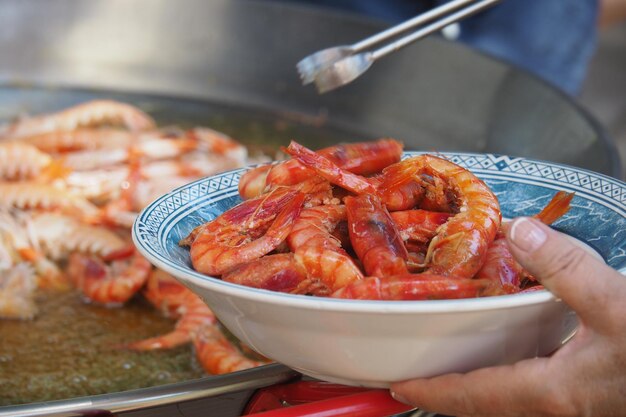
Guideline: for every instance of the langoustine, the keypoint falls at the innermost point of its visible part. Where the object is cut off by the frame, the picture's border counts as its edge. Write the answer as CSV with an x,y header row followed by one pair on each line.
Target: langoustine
x,y
93,113
110,280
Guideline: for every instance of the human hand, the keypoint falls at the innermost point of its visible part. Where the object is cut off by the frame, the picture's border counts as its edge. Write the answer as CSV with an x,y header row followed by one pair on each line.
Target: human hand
x,y
586,377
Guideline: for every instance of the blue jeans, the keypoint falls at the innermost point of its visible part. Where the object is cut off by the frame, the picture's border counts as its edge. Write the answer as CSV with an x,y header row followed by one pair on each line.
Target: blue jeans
x,y
553,39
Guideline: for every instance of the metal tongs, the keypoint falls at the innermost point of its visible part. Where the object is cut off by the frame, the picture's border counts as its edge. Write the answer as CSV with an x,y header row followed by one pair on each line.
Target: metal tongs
x,y
334,67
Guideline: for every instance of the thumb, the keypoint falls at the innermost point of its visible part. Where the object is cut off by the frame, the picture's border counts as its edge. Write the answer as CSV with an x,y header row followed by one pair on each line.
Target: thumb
x,y
570,272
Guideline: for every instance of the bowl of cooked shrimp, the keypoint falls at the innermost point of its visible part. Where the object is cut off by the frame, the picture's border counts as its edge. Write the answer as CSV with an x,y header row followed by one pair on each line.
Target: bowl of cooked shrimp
x,y
364,264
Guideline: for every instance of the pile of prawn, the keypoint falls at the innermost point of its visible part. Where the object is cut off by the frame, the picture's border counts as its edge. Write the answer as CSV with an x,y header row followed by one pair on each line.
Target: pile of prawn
x,y
355,221
71,185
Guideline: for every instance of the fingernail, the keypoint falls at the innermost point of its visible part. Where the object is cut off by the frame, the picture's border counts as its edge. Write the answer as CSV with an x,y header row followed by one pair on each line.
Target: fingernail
x,y
527,235
399,398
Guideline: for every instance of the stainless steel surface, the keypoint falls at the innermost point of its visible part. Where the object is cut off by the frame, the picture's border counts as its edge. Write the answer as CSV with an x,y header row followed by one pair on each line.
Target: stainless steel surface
x,y
226,393
310,65
338,72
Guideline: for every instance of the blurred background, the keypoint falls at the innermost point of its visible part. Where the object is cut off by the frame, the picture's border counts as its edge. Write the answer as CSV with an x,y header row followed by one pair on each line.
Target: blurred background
x,y
578,46
604,90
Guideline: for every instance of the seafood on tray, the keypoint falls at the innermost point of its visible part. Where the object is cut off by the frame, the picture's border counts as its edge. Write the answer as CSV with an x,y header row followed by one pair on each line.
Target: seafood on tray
x,y
357,221
71,185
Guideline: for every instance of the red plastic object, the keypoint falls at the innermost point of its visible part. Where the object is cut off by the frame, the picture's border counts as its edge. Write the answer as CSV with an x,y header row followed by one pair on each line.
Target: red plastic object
x,y
322,399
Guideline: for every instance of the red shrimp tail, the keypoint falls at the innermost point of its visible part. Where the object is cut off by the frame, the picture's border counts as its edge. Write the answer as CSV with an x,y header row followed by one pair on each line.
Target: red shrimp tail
x,y
557,207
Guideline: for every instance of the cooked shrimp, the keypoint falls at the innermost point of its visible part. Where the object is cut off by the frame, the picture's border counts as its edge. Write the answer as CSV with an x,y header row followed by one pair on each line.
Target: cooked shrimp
x,y
150,189
375,237
17,292
252,182
19,161
98,186
33,195
417,228
192,164
62,141
95,159
219,144
16,235
8,255
331,171
93,113
155,178
319,251
148,149
19,237
317,191
241,234
398,191
279,272
165,293
360,158
459,248
217,354
157,146
121,211
109,283
416,287
500,265
174,300
59,235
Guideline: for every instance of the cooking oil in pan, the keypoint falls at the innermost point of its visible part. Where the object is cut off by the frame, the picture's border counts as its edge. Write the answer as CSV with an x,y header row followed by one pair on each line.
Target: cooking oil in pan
x,y
70,350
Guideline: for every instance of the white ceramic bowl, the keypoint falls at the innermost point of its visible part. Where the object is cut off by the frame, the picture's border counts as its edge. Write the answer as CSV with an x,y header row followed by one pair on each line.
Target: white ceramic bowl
x,y
373,343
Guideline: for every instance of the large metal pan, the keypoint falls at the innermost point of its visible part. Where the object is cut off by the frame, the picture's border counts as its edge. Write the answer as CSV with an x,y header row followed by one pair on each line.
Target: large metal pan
x,y
232,62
